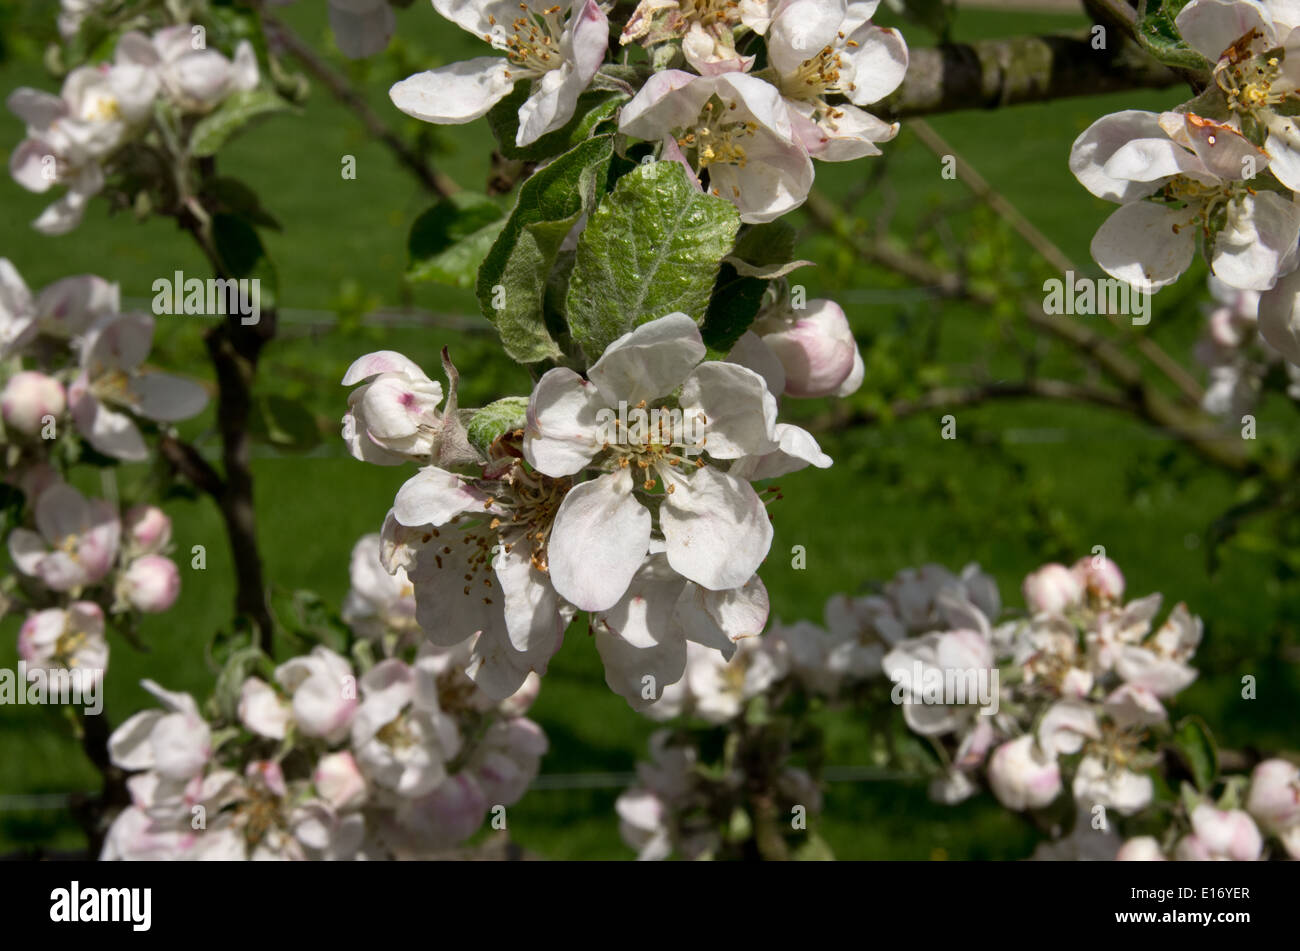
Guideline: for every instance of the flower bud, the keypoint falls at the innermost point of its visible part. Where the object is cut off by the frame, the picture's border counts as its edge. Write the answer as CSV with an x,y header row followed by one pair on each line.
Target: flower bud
x,y
151,583
28,398
1104,581
815,346
1022,776
1275,794
1224,834
1052,589
1144,848
339,781
148,529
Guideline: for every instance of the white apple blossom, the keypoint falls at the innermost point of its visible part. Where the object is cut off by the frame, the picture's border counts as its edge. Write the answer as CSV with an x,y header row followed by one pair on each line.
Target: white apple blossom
x,y
324,692
150,583
61,311
1160,663
556,47
339,781
112,386
71,638
815,347
1023,776
75,542
1227,835
1143,848
146,530
262,711
1101,781
394,417
1177,175
1052,589
378,603
826,48
174,742
1274,800
706,29
192,76
715,528
733,126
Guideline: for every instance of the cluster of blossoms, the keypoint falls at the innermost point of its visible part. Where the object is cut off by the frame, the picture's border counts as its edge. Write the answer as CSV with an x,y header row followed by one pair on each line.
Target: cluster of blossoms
x,y
71,371
748,136
1224,166
330,758
153,86
1073,693
1236,355
586,498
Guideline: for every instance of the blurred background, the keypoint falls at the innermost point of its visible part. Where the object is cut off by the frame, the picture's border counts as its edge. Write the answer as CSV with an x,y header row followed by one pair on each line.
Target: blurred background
x,y
1024,483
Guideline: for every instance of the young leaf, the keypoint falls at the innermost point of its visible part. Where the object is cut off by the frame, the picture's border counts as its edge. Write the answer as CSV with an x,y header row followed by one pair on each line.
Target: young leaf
x,y
1195,745
213,130
651,248
512,281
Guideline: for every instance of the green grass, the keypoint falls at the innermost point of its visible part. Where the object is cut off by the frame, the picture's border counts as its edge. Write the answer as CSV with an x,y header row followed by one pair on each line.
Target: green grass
x,y
1023,483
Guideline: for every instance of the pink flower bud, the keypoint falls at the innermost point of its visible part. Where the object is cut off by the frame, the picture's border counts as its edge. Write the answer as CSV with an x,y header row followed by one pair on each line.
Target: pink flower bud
x,y
1052,589
151,583
339,781
1023,776
1226,834
28,398
1101,578
148,529
815,346
1275,794
1144,848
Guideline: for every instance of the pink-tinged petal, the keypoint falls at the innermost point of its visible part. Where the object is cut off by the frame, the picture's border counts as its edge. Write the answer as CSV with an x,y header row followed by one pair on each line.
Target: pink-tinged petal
x,y
776,180
27,549
551,105
1224,151
586,40
797,450
816,350
119,342
719,619
165,398
434,496
801,29
671,99
738,409
599,523
761,100
750,351
454,94
72,305
36,108
1260,234
29,163
1279,317
560,433
854,380
382,361
1211,26
648,362
1098,143
1146,245
672,152
716,529
879,63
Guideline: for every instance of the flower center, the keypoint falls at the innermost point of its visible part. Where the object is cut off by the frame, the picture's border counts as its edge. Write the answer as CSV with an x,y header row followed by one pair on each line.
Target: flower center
x,y
818,77
662,439
717,139
532,41
710,12
1249,86
100,107
67,645
396,734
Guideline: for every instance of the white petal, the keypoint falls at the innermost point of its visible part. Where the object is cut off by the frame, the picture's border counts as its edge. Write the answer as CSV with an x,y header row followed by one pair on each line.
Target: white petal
x,y
879,63
382,361
1138,244
738,408
561,429
1211,26
454,94
648,362
1279,318
716,529
1093,149
798,449
801,29
599,523
166,398
434,496
1260,233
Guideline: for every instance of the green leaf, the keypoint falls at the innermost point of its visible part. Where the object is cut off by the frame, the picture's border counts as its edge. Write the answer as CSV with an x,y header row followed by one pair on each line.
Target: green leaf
x,y
765,251
449,241
515,272
1157,34
593,109
284,423
495,419
651,248
237,669
1195,745
213,130
225,195
243,255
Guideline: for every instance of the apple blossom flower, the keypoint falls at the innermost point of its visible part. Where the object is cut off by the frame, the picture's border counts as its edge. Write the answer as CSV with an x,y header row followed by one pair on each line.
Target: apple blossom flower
x,y
112,381
75,542
324,693
1106,781
1274,800
733,126
933,655
423,826
146,530
862,630
174,742
1176,175
193,77
338,780
28,398
262,710
401,738
643,824
803,650
557,47
815,347
393,418
1100,577
1160,663
1023,776
151,583
17,309
1143,848
61,311
1228,835
71,638
377,603
506,761
715,528
1240,39
821,49
1052,589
